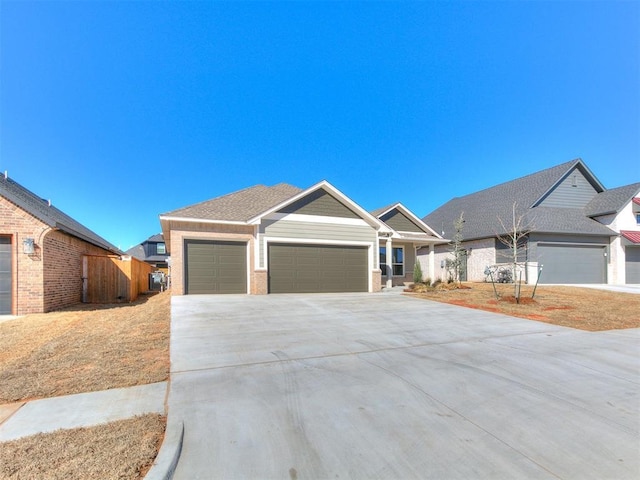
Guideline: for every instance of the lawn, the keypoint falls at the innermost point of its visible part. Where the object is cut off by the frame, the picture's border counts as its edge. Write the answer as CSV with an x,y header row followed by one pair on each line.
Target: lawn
x,y
81,349
575,307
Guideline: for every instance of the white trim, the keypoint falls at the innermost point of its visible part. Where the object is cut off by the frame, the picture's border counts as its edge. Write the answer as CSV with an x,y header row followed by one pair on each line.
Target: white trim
x,y
412,217
366,216
404,262
297,217
201,220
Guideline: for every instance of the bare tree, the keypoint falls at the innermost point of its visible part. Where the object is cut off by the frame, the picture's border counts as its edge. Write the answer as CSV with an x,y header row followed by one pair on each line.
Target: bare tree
x,y
454,265
514,236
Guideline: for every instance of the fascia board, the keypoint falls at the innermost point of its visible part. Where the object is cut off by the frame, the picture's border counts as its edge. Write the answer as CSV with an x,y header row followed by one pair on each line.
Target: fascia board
x,y
200,220
416,219
366,216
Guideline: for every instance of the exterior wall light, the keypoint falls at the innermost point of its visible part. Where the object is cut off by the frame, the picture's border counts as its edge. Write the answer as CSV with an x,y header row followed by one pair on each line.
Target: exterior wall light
x,y
28,246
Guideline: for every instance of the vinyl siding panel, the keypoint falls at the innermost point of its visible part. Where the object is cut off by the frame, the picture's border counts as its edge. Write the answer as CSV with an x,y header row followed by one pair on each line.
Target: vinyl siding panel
x,y
320,203
319,231
574,191
400,222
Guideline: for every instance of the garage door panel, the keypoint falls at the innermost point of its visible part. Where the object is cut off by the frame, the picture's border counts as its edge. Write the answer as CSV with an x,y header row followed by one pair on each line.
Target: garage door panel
x,y
632,267
313,268
572,263
215,267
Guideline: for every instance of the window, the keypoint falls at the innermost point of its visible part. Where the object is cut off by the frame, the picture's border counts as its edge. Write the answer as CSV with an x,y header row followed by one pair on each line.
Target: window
x,y
397,261
638,218
161,249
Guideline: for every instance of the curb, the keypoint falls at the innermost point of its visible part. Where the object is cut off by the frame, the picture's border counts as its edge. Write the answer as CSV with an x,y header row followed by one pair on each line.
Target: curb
x,y
164,466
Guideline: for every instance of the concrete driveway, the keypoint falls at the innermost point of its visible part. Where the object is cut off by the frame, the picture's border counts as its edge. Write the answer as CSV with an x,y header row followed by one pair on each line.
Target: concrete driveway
x,y
384,386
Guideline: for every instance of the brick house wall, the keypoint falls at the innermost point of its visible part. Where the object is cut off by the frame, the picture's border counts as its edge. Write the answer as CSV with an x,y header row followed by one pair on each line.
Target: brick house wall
x,y
62,265
51,277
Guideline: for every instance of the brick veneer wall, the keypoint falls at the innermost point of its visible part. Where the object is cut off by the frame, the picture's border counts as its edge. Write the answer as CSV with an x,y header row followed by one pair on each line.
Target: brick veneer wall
x,y
26,277
50,278
62,263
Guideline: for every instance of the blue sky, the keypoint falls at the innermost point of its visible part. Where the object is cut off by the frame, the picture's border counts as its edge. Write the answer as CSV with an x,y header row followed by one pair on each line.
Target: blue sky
x,y
120,111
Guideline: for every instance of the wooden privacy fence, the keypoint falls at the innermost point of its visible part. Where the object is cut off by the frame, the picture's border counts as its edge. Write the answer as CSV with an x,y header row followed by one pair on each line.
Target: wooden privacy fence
x,y
113,279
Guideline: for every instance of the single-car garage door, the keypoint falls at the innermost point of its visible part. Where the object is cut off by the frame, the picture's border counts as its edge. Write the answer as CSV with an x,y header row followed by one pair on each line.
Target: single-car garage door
x,y
572,263
317,268
215,267
632,273
5,276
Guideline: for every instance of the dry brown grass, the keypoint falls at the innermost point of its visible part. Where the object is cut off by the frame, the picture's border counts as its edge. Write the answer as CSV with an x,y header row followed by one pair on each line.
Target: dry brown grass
x,y
117,450
575,307
85,348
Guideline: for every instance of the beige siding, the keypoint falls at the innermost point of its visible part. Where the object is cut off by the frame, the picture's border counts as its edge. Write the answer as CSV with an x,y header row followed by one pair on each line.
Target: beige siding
x,y
319,231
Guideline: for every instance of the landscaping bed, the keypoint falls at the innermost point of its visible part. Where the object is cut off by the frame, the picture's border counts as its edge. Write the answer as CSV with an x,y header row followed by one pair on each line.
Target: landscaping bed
x,y
574,307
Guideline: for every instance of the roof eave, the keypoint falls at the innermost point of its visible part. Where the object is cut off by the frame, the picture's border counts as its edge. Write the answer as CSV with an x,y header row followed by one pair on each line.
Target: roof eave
x,y
366,216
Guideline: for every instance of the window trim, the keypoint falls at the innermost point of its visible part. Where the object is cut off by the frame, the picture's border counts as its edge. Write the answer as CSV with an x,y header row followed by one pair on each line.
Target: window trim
x,y
394,264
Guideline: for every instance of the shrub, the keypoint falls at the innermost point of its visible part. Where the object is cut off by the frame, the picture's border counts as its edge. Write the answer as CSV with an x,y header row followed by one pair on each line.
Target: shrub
x,y
417,273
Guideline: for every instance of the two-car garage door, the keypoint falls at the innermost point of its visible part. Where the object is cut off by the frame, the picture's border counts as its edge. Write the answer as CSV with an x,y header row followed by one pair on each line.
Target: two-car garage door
x,y
221,267
572,263
295,268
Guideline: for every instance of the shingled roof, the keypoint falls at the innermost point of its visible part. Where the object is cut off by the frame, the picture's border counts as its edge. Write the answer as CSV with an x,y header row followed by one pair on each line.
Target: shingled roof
x,y
50,215
482,209
612,200
238,206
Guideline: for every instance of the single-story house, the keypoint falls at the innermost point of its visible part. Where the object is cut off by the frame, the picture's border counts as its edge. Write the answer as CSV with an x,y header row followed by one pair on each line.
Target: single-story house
x,y
283,239
576,230
41,253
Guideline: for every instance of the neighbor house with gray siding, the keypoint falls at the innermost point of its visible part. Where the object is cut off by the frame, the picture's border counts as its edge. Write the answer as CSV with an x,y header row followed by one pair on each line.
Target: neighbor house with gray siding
x,y
577,231
283,239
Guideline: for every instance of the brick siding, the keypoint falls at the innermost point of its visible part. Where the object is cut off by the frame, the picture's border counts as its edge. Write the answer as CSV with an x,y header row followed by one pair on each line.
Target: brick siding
x,y
50,278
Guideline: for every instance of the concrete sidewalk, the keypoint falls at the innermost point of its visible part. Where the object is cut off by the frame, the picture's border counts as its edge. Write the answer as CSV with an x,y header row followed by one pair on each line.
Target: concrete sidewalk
x,y
22,419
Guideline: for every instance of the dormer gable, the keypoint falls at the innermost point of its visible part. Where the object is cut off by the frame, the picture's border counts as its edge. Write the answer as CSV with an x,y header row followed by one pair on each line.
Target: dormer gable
x,y
400,222
319,203
575,189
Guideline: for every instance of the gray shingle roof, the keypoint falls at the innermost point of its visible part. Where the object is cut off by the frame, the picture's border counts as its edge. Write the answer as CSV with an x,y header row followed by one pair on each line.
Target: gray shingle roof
x,y
238,206
50,215
612,200
482,209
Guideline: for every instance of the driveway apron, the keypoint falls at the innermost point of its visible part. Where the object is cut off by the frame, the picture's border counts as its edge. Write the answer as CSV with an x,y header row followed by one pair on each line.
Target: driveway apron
x,y
388,386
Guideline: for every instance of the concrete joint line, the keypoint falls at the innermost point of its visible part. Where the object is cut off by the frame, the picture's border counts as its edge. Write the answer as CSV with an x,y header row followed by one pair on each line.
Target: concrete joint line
x,y
454,411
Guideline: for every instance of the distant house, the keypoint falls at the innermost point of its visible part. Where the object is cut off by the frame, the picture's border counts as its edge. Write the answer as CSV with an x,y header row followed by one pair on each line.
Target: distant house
x,y
283,239
41,253
578,231
152,251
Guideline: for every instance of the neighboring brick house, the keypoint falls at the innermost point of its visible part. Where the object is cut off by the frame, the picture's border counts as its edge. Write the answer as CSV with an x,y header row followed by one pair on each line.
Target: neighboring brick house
x,y
578,231
283,239
152,251
41,250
